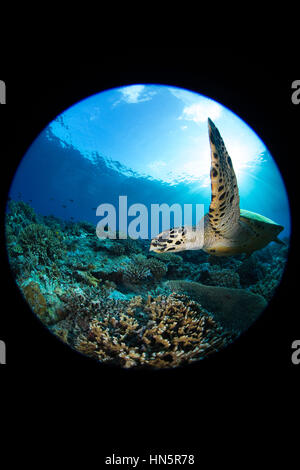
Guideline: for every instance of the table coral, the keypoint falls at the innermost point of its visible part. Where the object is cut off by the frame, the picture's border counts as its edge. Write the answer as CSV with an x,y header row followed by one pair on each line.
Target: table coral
x,y
235,309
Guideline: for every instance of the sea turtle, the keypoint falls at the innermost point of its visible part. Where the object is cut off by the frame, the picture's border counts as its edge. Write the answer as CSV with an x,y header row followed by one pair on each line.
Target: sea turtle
x,y
226,230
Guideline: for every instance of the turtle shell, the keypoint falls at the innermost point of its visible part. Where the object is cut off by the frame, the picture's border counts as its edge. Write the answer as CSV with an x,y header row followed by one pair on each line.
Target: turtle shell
x,y
257,217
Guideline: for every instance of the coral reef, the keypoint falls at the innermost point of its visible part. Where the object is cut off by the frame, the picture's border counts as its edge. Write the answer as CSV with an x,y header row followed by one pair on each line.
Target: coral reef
x,y
157,268
140,268
137,270
113,300
36,300
20,214
224,278
269,283
43,296
250,271
157,332
39,240
170,258
214,276
132,246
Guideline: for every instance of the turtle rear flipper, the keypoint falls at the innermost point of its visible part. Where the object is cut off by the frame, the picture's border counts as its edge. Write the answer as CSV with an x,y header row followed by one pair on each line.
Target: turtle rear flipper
x,y
280,242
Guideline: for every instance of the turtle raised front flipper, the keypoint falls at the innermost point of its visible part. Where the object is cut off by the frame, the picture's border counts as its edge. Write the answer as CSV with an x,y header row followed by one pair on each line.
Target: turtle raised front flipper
x,y
224,209
226,230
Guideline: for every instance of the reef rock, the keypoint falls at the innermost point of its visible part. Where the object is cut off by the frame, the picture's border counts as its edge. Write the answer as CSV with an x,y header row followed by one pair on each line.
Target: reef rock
x,y
234,309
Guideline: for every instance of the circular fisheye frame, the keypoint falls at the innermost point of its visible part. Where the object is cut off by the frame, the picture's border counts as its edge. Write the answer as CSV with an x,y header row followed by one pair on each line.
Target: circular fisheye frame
x,y
147,226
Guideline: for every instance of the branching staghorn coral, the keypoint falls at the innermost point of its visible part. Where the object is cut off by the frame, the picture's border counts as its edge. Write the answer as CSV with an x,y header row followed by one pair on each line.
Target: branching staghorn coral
x,y
157,332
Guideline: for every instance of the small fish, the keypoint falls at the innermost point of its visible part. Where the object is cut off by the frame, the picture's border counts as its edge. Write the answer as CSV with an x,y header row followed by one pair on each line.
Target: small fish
x,y
51,198
71,200
94,208
30,200
63,205
72,218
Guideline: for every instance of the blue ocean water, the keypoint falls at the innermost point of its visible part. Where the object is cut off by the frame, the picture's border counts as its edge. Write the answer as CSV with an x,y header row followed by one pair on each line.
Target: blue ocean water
x,y
56,178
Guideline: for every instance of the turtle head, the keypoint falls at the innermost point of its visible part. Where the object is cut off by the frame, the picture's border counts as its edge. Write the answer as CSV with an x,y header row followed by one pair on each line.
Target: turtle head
x,y
178,239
